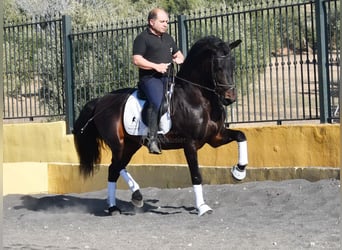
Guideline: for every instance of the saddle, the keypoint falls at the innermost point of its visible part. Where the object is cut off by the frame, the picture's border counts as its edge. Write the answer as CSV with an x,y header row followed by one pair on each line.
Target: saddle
x,y
135,113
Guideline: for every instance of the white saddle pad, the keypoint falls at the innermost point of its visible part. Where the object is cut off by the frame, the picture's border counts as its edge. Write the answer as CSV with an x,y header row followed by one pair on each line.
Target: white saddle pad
x,y
133,119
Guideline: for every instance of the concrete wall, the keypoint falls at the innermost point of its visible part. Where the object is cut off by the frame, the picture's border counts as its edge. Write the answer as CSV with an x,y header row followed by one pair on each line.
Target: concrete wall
x,y
42,158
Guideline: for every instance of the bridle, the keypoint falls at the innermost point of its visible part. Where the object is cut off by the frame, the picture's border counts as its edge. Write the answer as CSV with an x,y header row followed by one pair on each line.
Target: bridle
x,y
217,85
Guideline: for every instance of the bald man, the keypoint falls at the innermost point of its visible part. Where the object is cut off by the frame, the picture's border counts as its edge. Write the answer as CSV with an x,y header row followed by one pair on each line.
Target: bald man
x,y
153,52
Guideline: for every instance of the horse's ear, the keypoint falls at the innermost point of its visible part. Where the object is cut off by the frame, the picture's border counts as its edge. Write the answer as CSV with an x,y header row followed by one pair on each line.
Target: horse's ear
x,y
234,44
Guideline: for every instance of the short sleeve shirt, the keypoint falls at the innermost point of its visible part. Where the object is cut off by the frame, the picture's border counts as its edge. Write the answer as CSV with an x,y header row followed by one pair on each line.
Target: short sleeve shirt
x,y
154,48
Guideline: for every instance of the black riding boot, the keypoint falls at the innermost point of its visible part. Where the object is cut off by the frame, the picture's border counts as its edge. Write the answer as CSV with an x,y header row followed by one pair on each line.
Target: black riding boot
x,y
153,130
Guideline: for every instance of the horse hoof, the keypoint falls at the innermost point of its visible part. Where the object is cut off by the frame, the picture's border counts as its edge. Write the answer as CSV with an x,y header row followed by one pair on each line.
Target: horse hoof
x,y
137,199
204,209
114,210
237,173
154,148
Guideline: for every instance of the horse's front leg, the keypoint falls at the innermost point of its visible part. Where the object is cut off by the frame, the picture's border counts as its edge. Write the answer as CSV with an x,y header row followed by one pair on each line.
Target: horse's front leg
x,y
228,135
239,171
196,179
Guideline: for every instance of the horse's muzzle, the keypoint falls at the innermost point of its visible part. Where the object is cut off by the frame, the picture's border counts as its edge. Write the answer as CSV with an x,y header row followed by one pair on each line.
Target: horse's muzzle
x,y
229,96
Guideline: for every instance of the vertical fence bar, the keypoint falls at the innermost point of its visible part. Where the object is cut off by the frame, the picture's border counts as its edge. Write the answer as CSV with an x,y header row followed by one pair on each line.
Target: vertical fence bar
x,y
340,90
69,104
182,43
2,59
59,60
323,77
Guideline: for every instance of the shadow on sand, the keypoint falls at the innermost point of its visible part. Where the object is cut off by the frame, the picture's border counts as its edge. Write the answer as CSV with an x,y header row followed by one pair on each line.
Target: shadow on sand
x,y
68,203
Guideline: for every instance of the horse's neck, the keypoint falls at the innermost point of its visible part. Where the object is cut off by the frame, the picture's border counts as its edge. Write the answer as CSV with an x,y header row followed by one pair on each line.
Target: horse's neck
x,y
193,92
217,111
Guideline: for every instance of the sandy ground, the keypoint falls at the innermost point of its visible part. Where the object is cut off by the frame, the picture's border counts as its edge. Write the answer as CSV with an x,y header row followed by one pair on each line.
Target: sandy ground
x,y
293,214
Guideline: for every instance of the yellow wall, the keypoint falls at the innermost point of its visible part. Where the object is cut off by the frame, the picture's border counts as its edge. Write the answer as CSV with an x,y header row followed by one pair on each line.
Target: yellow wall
x,y
40,158
25,178
268,146
38,142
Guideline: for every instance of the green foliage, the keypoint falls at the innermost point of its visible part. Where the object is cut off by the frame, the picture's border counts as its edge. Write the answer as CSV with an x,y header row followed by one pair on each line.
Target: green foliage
x,y
33,67
334,24
12,13
101,64
102,48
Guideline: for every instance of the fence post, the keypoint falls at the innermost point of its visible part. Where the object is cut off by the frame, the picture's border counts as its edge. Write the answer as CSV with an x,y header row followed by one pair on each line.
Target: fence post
x,y
67,55
323,62
2,60
182,34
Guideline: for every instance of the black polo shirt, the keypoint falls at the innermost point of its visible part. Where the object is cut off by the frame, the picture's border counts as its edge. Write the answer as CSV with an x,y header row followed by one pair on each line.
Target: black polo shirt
x,y
154,48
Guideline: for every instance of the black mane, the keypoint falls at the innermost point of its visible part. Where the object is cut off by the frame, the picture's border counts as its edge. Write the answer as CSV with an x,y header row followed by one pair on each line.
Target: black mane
x,y
199,56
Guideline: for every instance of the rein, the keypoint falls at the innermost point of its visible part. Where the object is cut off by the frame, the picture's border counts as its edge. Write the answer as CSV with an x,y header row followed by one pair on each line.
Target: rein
x,y
216,84
195,84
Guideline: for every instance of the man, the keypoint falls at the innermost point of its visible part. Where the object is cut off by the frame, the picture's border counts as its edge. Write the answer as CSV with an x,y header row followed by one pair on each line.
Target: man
x,y
153,52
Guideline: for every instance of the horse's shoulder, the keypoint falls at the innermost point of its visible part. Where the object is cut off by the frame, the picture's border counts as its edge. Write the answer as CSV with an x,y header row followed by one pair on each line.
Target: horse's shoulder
x,y
192,96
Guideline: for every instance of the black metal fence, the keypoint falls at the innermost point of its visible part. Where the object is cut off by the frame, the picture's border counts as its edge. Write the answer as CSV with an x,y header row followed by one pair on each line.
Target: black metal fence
x,y
288,66
33,70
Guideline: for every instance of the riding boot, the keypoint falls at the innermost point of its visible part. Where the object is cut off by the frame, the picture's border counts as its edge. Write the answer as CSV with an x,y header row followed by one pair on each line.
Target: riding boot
x,y
153,130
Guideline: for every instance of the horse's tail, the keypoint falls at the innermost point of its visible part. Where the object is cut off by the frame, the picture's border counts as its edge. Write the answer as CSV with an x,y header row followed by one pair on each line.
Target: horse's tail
x,y
86,139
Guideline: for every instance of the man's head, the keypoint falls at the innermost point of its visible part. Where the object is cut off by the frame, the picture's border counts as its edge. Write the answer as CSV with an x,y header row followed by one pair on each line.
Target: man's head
x,y
158,20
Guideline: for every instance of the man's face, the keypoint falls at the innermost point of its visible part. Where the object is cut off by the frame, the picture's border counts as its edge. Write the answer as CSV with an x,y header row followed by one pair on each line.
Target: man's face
x,y
160,24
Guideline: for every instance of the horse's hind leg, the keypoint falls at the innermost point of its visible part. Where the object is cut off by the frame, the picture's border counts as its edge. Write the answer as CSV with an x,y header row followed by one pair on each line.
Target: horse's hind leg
x,y
118,168
137,198
111,198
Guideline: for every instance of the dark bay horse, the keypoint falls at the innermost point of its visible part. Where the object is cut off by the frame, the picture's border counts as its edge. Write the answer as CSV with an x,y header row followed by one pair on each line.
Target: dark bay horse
x,y
203,86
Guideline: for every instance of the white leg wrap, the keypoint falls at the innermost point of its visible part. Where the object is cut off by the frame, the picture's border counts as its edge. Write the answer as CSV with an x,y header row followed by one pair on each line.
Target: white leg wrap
x,y
111,190
200,204
243,154
198,195
129,180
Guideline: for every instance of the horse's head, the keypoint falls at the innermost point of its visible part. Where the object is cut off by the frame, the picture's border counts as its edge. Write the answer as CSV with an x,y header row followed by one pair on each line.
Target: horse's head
x,y
211,64
222,69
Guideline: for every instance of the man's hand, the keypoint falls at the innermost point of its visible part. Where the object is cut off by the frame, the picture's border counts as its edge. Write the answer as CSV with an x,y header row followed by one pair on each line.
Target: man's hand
x,y
178,60
142,63
162,67
178,57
